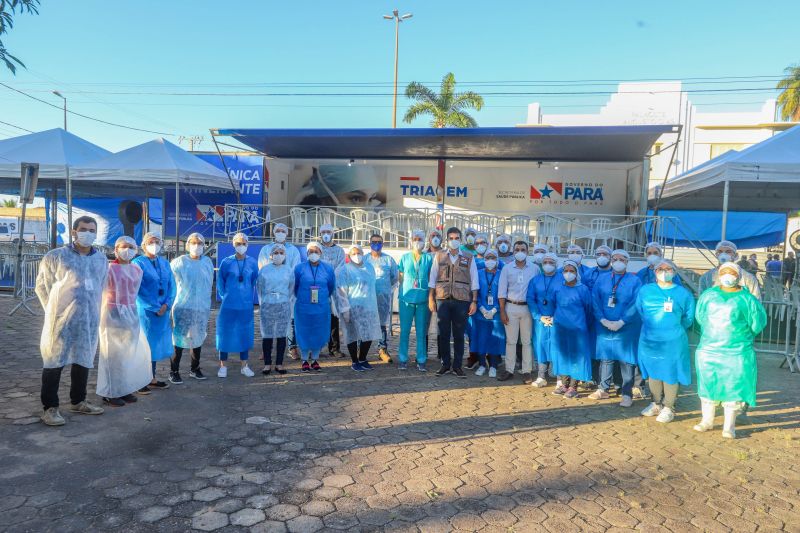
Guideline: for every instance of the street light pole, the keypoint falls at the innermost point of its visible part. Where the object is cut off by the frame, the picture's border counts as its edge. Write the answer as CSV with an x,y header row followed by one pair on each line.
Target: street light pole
x,y
397,18
65,107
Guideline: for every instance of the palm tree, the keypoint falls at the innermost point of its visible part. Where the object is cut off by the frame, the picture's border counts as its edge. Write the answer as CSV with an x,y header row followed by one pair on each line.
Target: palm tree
x,y
8,9
789,99
447,108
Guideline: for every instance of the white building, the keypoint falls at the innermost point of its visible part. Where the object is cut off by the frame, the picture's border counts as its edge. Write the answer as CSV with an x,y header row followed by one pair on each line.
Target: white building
x,y
704,135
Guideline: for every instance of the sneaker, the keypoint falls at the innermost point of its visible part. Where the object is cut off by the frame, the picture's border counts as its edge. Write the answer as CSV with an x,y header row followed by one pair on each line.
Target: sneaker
x,y
459,372
144,391
383,353
626,401
599,394
114,402
129,398
421,367
651,410
315,366
666,415
306,367
728,434
197,374
85,408
539,383
365,365
527,379
402,366
175,378
701,427
294,353
481,371
246,371
159,385
51,417
505,376
442,371
357,367
492,372
222,372
571,393
559,390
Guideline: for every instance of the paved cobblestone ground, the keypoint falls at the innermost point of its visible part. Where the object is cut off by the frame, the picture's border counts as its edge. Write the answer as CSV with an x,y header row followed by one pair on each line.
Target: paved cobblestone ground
x,y
384,451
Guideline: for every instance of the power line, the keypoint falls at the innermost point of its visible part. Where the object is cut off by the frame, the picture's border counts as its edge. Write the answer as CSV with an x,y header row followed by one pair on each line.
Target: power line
x,y
15,126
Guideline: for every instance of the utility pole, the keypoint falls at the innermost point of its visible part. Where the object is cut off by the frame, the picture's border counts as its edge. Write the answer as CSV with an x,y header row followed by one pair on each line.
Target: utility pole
x,y
65,107
397,18
193,139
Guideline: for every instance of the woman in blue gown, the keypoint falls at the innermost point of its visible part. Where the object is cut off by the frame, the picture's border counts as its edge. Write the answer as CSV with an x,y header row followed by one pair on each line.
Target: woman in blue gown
x,y
542,302
314,285
487,328
570,348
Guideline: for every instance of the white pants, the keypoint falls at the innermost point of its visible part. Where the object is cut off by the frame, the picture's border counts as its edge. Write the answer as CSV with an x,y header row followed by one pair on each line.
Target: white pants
x,y
520,325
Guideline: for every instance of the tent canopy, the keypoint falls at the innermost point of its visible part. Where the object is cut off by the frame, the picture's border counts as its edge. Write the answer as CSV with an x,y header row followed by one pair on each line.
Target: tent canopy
x,y
703,228
158,162
567,144
55,150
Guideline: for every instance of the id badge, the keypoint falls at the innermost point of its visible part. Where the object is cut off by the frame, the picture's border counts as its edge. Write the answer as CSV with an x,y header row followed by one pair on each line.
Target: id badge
x,y
520,278
89,284
612,302
668,306
314,294
490,300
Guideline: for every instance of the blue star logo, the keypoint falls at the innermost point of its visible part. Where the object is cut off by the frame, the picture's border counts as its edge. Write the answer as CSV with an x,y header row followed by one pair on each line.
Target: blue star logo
x,y
546,191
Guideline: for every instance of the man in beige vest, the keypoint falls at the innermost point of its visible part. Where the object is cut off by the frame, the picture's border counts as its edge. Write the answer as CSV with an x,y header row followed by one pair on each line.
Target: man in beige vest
x,y
453,296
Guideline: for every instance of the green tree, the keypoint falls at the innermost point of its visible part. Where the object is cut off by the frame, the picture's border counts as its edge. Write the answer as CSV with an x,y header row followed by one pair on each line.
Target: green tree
x,y
789,99
8,10
447,109
9,203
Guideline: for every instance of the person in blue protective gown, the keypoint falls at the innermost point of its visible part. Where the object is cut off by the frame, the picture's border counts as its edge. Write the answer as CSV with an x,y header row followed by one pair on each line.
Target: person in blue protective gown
x,y
413,272
314,286
487,329
655,254
236,280
194,275
333,255
730,317
575,253
386,276
275,293
602,255
667,311
617,324
570,346
481,247
541,302
538,252
154,303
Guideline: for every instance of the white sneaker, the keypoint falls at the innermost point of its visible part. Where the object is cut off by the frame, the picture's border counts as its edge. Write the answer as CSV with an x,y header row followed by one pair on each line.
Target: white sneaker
x,y
651,410
599,394
627,401
701,427
666,415
222,372
481,371
247,372
539,383
492,372
728,433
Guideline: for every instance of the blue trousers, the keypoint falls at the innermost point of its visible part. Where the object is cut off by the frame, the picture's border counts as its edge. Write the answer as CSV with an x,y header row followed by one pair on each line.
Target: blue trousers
x,y
223,356
494,360
607,376
383,342
452,316
418,315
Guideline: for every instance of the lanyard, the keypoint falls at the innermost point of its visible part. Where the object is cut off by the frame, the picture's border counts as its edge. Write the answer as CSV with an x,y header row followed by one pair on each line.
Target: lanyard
x,y
490,281
313,270
615,285
240,266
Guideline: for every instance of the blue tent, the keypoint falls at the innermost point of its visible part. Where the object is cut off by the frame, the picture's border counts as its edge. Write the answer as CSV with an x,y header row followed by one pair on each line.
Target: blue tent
x,y
746,229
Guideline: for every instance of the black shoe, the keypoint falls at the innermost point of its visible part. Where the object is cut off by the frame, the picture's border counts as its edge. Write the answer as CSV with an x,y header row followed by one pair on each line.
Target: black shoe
x,y
175,377
459,373
280,371
144,391
266,371
159,385
442,371
197,374
527,379
130,398
114,402
505,376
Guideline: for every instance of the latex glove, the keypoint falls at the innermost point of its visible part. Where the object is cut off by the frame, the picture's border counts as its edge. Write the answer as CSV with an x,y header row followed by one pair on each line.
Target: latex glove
x,y
494,311
619,324
346,316
546,320
606,323
615,325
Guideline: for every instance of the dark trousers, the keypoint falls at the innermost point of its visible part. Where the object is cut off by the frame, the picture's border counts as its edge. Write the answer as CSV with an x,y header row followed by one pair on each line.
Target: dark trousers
x,y
280,350
175,362
333,341
51,377
291,341
359,353
452,320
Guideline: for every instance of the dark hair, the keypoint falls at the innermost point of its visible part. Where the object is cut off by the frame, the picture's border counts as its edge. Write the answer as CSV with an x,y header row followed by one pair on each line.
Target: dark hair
x,y
85,219
453,230
378,235
521,242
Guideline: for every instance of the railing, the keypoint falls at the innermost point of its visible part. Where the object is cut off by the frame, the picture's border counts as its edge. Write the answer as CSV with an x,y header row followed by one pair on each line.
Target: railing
x,y
24,287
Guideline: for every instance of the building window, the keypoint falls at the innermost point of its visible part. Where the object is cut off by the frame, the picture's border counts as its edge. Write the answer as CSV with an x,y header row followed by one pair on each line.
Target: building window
x,y
718,149
656,148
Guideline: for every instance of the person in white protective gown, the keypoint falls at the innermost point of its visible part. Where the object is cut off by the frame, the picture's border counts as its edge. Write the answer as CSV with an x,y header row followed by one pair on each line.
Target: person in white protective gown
x,y
386,278
194,274
124,363
333,255
70,286
358,307
275,286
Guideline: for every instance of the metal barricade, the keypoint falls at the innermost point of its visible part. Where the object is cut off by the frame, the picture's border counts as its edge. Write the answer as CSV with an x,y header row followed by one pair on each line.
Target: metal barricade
x,y
24,289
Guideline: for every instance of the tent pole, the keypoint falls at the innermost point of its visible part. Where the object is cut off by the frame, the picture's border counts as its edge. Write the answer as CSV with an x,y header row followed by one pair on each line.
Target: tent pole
x,y
146,209
69,202
53,216
441,179
177,217
725,209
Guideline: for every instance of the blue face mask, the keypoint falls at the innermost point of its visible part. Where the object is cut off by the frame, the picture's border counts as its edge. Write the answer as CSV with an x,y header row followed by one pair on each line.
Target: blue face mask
x,y
376,246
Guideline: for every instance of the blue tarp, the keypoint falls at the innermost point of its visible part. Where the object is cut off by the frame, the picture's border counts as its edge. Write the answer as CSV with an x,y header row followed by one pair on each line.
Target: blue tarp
x,y
745,229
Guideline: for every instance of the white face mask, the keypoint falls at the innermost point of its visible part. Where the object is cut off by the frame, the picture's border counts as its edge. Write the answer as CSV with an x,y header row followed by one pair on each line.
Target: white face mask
x,y
549,268
280,237
356,259
728,280
470,239
327,237
278,259
603,261
241,249
569,277
436,241
86,238
196,250
724,258
481,249
313,257
664,276
153,248
575,257
652,259
503,248
538,257
418,245
126,254
491,264
619,266
520,256
454,244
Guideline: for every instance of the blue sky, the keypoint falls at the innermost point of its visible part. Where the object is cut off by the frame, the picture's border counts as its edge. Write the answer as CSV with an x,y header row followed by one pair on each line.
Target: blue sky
x,y
90,49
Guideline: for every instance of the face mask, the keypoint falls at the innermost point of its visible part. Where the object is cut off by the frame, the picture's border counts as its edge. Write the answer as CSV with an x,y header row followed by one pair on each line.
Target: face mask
x,y
569,277
454,244
724,258
481,249
470,239
491,264
240,249
356,259
575,257
603,261
196,250
126,254
280,237
549,268
327,237
728,280
153,248
418,245
278,259
503,247
538,257
376,246
313,257
436,241
86,238
520,256
664,276
652,259
618,266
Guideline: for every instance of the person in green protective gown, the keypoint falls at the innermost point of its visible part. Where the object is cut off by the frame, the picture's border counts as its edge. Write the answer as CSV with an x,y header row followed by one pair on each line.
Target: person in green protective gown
x,y
730,318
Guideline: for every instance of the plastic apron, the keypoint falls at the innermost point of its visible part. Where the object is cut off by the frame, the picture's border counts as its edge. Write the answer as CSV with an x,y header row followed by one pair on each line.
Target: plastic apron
x,y
386,277
275,288
192,308
355,294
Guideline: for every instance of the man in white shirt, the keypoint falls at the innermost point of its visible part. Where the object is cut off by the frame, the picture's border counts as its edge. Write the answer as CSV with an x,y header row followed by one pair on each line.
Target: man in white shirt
x,y
453,296
512,292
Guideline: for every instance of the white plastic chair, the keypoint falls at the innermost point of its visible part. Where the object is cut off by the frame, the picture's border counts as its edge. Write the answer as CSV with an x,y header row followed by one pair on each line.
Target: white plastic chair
x,y
301,227
520,224
599,231
548,232
363,222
